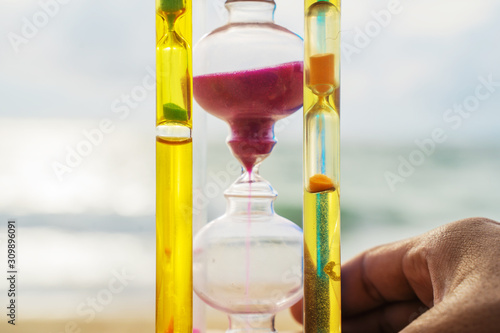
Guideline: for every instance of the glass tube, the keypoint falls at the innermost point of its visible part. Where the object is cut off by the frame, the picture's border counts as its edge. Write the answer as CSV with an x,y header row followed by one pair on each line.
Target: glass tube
x,y
321,167
174,167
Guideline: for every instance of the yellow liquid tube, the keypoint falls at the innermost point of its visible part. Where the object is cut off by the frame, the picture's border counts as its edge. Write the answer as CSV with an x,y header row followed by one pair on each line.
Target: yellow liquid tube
x,y
322,312
174,161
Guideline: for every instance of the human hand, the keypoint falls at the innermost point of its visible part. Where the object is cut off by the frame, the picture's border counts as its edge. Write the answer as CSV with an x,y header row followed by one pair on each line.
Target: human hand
x,y
444,281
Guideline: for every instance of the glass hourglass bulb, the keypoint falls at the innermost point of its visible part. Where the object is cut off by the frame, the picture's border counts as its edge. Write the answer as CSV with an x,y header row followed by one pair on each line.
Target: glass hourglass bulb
x,y
249,73
249,266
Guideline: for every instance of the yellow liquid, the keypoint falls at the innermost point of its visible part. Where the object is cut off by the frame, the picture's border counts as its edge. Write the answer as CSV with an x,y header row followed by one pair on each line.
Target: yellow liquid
x,y
173,236
174,71
174,162
322,262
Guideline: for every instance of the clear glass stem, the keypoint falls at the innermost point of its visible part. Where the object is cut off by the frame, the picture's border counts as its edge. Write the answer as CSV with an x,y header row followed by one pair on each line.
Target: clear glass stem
x,y
251,323
251,185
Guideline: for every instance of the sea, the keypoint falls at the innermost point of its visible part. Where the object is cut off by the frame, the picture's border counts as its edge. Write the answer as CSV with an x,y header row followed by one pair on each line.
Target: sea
x,y
85,222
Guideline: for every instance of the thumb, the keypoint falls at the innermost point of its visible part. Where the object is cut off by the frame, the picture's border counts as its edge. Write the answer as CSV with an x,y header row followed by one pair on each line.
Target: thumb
x,y
458,313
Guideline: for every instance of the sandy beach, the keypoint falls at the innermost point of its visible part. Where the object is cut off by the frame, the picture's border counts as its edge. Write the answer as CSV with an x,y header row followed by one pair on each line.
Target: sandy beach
x,y
123,326
216,323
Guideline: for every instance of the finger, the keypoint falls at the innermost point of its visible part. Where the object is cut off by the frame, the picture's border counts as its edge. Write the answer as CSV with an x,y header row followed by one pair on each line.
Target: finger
x,y
436,320
387,319
376,277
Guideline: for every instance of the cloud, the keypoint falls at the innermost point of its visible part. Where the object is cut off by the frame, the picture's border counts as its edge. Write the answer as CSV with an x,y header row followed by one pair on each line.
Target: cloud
x,y
445,18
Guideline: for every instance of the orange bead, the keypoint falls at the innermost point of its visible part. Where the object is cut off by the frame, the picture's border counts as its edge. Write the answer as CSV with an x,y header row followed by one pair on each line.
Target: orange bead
x,y
319,183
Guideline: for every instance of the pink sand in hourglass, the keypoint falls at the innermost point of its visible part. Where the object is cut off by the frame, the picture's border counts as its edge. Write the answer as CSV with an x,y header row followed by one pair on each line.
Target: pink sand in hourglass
x,y
251,102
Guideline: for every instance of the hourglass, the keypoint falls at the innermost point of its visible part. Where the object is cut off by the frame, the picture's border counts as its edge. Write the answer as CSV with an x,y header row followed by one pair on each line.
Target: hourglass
x,y
249,73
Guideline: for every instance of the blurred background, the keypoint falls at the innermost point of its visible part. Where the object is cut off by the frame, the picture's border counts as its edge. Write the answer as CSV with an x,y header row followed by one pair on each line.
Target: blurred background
x,y
420,143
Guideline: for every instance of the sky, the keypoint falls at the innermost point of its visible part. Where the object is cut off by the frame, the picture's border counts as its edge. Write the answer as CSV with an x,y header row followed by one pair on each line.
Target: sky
x,y
402,75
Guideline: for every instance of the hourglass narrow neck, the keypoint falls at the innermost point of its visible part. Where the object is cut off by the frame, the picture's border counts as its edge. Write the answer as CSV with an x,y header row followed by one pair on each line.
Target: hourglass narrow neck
x,y
250,192
251,184
323,100
170,18
251,11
